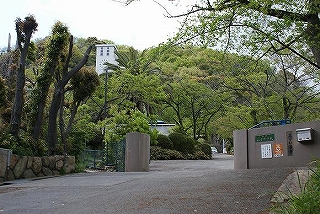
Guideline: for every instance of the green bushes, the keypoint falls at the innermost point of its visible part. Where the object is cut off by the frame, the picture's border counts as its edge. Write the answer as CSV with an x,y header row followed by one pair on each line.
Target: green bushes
x,y
158,153
179,146
205,148
20,146
164,142
182,143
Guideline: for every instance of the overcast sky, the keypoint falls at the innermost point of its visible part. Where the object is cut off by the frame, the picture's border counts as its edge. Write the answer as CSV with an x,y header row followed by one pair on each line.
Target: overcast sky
x,y
142,24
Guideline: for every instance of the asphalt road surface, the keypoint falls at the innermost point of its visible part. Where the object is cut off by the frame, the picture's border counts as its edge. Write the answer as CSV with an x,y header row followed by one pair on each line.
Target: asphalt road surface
x,y
174,187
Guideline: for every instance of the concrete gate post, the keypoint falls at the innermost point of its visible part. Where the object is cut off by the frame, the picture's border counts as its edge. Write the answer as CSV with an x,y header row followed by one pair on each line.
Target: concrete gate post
x,y
137,156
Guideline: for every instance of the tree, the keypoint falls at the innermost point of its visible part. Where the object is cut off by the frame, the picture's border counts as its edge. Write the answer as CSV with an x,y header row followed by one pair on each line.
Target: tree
x,y
54,52
24,29
270,93
135,79
3,101
83,84
264,27
192,105
3,93
62,80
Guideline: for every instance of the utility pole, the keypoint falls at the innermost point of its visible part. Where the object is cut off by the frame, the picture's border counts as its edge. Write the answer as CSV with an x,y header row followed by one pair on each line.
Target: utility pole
x,y
105,92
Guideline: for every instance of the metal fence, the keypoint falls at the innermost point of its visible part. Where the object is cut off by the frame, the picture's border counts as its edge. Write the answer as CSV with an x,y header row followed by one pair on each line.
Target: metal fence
x,y
114,155
94,159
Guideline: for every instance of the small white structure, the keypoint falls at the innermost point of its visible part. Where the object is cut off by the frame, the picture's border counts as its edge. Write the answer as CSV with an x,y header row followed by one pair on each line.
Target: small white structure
x,y
162,127
105,53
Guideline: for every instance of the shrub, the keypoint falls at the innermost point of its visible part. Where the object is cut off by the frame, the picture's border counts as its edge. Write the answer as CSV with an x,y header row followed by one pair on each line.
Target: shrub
x,y
80,166
200,155
20,146
205,148
182,143
158,153
164,142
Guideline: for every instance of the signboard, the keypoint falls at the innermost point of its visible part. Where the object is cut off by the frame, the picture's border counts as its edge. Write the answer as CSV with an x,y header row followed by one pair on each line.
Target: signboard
x,y
277,150
266,151
264,138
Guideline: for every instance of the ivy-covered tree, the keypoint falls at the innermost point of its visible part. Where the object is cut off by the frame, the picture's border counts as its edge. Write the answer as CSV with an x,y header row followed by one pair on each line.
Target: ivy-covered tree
x,y
54,54
3,100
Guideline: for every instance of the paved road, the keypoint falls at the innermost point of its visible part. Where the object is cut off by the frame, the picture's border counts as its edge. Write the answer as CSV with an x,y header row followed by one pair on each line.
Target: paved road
x,y
170,187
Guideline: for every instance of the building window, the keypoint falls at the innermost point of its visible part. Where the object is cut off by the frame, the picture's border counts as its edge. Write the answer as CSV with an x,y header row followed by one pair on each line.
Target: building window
x,y
107,51
101,51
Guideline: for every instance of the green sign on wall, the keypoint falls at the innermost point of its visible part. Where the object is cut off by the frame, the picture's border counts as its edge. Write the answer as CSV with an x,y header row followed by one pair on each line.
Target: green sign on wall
x,y
264,138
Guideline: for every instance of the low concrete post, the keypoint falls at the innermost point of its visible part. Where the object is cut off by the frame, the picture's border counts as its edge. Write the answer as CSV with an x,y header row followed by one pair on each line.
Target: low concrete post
x,y
5,158
137,156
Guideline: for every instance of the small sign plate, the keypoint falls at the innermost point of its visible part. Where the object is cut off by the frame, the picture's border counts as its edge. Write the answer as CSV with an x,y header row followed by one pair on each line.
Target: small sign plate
x,y
264,138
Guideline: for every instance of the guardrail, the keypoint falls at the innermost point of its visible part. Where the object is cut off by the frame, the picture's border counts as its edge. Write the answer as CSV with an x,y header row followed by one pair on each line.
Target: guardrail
x,y
272,123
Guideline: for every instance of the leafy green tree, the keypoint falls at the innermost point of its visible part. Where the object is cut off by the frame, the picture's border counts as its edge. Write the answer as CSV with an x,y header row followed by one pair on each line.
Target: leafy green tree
x,y
271,94
194,96
123,122
80,46
90,130
135,79
192,105
141,92
263,27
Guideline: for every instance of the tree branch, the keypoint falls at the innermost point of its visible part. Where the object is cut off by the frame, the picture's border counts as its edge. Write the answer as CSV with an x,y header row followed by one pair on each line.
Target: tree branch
x,y
84,60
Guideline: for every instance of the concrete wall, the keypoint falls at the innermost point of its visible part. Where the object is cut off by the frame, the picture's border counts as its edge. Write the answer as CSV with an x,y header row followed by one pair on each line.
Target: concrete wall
x,y
16,167
252,147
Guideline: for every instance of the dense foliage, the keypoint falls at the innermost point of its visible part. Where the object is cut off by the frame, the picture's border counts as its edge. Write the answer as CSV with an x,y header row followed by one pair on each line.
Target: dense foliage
x,y
182,143
164,142
158,153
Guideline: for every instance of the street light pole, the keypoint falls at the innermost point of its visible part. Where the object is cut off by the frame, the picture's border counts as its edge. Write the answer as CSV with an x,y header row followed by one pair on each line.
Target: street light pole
x,y
105,92
105,110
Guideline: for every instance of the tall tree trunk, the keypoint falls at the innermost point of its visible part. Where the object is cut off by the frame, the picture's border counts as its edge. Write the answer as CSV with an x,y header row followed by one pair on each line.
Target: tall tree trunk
x,y
41,106
18,101
62,124
52,126
286,107
24,31
313,34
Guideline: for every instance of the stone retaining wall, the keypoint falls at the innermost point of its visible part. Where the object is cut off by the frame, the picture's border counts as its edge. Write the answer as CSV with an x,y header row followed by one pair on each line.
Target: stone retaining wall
x,y
16,167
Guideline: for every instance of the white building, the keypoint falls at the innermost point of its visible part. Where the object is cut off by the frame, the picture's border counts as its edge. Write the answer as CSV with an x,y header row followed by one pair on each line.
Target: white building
x,y
105,53
162,127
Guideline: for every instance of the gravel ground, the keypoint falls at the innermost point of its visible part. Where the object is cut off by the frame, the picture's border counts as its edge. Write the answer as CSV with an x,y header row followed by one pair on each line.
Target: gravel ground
x,y
173,187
